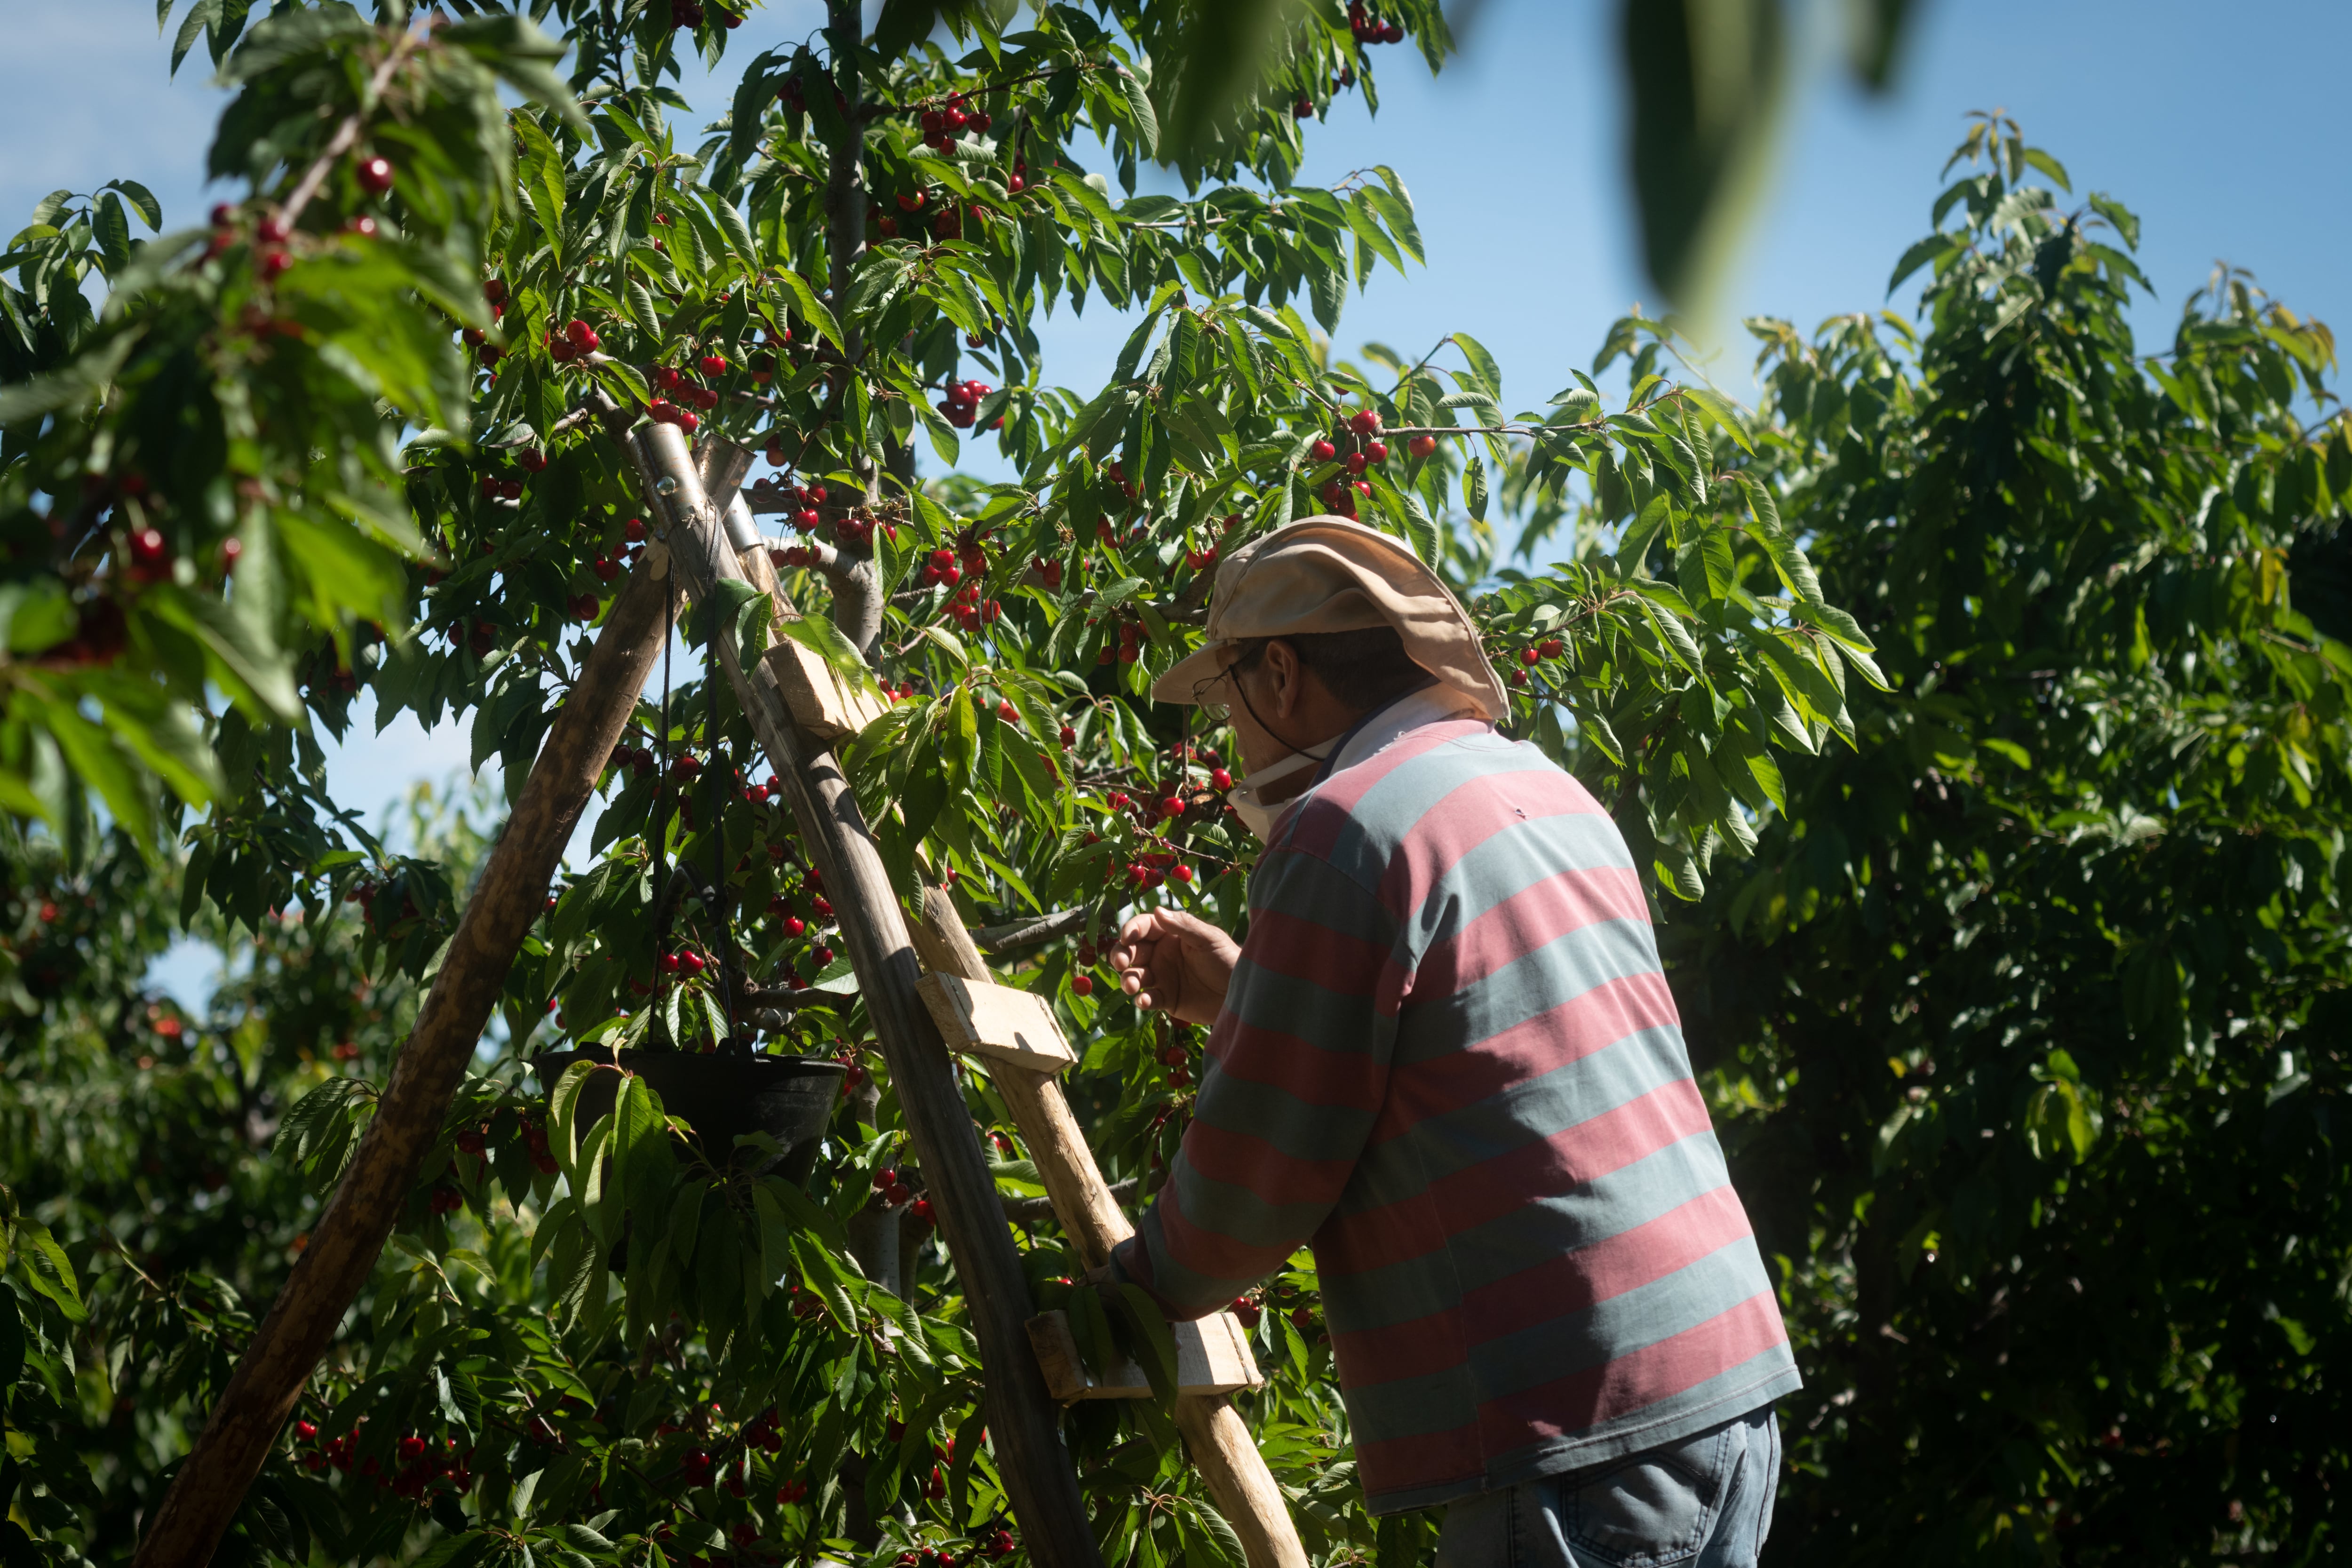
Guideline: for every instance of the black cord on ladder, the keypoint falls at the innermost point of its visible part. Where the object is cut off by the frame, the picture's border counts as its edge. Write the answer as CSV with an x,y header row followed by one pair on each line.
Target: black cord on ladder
x,y
661,810
724,943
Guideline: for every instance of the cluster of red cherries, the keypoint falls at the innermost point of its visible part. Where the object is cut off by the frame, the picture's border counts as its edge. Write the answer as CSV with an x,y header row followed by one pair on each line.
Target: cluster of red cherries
x,y
961,405
990,1543
666,410
895,1193
420,1467
1131,638
1533,654
1369,29
1362,433
803,498
942,125
684,14
971,612
855,530
578,338
1177,1058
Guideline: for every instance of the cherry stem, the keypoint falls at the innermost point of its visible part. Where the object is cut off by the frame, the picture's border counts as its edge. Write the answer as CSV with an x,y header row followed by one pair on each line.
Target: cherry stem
x,y
347,134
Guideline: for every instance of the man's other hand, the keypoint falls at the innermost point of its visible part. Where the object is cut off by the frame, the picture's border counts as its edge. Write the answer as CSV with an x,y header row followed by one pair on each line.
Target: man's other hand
x,y
1176,963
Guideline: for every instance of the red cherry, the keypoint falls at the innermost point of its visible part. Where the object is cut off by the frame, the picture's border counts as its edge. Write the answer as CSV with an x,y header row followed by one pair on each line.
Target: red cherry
x,y
1357,462
670,963
713,364
1221,779
273,230
1322,451
1083,984
274,263
1364,422
1551,647
375,174
1421,446
1378,451
1009,713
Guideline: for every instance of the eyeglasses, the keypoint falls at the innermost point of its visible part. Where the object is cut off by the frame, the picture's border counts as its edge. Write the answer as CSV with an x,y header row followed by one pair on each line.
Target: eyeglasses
x,y
1219,709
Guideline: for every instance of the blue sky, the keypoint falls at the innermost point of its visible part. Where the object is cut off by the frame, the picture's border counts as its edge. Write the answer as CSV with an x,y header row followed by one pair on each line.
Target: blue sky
x,y
2218,125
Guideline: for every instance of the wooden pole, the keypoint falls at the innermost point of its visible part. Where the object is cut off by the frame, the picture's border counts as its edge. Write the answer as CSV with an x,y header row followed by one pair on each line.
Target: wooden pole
x,y
1022,1420
1214,1432
509,896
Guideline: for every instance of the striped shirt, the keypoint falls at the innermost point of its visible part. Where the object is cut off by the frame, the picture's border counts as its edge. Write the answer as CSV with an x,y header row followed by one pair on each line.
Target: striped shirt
x,y
1449,1061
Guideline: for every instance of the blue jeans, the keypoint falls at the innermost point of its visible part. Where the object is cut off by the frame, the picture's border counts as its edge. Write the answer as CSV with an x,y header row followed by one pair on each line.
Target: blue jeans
x,y
1702,1503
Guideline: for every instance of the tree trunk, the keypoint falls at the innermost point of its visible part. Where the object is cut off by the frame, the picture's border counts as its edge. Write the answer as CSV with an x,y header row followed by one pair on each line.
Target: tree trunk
x,y
508,899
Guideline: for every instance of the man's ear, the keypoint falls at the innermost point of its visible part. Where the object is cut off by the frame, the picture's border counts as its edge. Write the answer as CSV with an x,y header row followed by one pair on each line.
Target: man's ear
x,y
1281,662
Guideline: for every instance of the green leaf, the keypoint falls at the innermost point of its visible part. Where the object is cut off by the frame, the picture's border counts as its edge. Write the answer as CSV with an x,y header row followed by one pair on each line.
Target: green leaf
x,y
1706,80
1484,375
749,613
1144,118
59,390
150,209
822,636
1724,413
48,1269
522,56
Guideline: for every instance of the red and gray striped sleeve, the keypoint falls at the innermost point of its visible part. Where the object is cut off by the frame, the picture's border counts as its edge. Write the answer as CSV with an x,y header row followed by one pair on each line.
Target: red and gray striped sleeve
x,y
1298,1069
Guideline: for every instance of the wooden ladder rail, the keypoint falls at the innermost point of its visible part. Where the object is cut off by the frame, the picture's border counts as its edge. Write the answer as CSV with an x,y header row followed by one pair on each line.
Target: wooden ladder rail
x,y
1215,1434
1023,1420
787,692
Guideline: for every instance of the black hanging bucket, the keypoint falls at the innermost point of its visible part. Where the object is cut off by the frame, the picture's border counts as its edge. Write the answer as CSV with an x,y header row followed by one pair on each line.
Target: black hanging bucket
x,y
722,1096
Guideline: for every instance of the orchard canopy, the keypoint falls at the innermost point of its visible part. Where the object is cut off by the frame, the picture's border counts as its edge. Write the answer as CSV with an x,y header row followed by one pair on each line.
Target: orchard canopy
x,y
1974,701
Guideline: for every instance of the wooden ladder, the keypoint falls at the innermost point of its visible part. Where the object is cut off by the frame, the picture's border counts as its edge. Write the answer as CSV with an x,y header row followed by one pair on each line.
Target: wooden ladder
x,y
798,706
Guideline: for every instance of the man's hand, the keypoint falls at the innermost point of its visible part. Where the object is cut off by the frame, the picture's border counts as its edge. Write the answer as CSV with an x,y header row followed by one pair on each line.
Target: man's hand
x,y
1176,963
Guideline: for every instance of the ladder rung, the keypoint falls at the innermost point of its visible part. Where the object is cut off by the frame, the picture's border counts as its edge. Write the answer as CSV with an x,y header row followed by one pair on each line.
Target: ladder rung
x,y
1213,1356
996,1021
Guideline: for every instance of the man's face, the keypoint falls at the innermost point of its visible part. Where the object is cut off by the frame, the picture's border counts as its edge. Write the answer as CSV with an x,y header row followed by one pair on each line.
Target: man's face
x,y
1266,695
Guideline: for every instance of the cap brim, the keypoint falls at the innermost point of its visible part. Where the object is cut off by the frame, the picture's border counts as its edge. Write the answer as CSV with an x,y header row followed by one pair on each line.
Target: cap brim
x,y
1187,675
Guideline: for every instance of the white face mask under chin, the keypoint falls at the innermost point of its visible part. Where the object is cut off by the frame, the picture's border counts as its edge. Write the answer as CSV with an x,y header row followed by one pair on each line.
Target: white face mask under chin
x,y
1257,814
